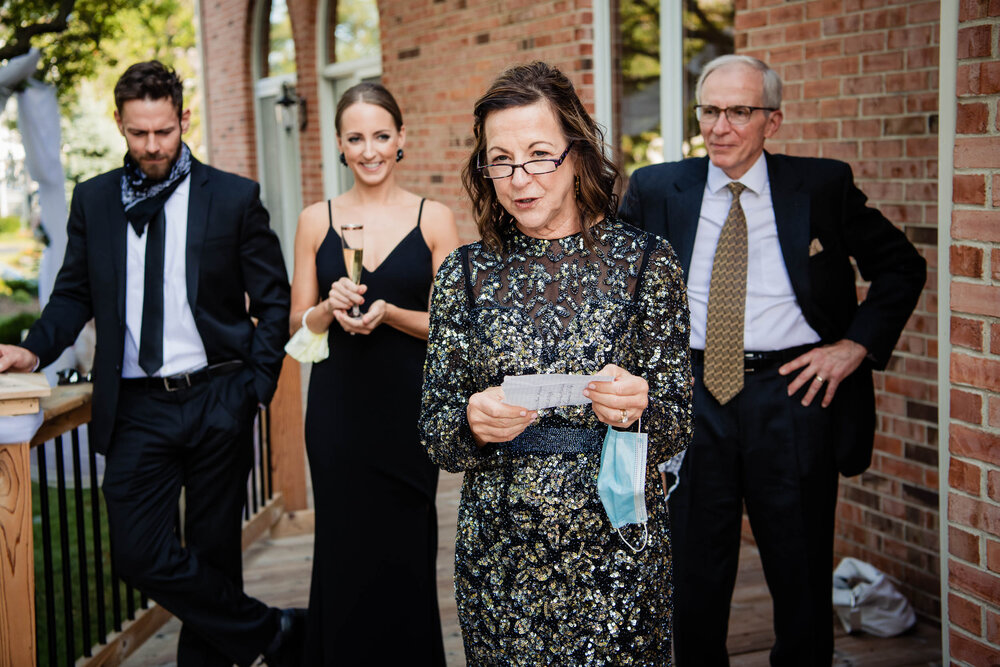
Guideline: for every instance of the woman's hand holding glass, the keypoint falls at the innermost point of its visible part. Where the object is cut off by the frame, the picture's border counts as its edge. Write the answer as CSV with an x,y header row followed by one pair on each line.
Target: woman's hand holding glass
x,y
619,402
345,295
492,420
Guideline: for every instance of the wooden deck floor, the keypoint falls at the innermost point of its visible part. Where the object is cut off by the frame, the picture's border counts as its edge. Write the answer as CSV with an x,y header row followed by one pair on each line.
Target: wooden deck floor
x,y
277,571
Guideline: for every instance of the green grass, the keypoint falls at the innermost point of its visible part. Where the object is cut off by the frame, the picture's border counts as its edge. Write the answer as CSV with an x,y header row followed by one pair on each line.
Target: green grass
x,y
58,592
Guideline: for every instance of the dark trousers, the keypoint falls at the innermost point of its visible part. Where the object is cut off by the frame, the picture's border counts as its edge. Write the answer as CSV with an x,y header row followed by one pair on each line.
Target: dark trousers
x,y
199,438
765,450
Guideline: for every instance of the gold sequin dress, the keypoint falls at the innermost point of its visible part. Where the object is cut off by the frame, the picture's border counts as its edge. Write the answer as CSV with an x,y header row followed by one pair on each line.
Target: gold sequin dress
x,y
541,576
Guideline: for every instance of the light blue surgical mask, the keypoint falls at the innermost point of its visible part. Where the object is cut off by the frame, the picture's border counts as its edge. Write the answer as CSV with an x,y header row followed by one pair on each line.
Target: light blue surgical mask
x,y
621,482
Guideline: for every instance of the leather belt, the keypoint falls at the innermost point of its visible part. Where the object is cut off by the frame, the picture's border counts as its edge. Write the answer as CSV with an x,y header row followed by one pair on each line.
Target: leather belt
x,y
181,380
758,361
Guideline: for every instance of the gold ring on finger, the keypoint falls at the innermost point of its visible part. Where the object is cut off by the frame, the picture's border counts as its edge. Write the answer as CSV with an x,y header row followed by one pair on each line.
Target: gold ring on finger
x,y
624,416
819,378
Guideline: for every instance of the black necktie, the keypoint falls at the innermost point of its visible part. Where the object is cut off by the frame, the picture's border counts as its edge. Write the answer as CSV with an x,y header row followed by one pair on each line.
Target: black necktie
x,y
151,334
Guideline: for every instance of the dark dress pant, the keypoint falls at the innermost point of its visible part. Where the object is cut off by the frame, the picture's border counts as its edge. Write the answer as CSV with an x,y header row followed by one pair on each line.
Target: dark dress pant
x,y
765,450
199,438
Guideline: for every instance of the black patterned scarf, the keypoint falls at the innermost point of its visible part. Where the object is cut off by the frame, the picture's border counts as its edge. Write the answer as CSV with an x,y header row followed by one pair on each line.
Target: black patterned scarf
x,y
144,197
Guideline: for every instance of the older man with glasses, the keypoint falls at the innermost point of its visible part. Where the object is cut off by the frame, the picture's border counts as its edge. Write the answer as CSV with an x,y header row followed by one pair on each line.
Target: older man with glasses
x,y
782,355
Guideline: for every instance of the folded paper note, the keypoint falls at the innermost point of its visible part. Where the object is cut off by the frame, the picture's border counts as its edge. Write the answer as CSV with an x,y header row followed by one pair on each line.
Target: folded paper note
x,y
535,392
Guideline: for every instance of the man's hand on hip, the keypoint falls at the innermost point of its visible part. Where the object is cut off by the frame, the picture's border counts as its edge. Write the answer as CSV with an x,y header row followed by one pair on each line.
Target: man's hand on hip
x,y
18,359
828,365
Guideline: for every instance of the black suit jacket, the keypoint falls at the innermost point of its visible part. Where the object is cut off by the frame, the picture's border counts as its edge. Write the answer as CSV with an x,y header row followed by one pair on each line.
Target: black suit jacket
x,y
231,253
816,205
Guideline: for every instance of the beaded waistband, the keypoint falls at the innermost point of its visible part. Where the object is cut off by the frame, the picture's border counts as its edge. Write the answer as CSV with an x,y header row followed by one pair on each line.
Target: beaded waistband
x,y
548,440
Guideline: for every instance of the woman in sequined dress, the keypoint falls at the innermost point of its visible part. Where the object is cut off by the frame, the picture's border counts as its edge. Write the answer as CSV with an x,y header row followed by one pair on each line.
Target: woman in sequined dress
x,y
373,598
556,285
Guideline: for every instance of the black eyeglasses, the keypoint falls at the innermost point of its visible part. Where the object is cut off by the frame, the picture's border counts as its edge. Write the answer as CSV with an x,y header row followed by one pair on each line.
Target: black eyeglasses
x,y
533,167
736,115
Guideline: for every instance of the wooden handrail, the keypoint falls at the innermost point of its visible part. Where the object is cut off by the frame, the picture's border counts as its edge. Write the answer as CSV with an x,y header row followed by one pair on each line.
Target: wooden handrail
x,y
67,408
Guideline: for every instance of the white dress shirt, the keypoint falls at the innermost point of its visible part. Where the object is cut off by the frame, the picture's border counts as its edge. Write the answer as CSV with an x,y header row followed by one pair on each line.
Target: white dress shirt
x,y
182,347
774,320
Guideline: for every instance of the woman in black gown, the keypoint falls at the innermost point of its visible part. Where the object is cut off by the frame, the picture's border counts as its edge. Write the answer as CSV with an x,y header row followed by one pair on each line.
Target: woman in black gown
x,y
374,593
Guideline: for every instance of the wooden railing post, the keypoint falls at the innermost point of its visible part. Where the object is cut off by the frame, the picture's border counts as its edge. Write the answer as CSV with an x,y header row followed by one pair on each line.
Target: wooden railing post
x,y
288,452
17,561
19,396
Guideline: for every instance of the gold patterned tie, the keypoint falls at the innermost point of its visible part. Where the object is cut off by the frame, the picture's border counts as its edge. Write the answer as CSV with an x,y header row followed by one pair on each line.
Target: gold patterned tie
x,y
727,304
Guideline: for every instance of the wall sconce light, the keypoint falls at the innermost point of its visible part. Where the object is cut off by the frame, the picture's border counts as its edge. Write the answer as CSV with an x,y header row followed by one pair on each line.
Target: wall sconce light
x,y
283,107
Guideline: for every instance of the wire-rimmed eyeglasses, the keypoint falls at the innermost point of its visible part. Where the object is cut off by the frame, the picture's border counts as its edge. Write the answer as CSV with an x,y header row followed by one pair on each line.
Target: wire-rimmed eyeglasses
x,y
533,167
740,114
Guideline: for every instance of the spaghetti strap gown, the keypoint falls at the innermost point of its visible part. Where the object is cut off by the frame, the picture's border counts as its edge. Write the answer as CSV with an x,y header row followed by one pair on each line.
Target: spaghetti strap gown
x,y
373,598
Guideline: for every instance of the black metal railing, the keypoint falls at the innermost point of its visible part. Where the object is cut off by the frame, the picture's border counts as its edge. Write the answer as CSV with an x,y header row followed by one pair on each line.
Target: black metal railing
x,y
79,599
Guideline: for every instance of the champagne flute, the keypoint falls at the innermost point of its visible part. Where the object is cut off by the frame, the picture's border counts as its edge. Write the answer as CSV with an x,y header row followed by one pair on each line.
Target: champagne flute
x,y
352,238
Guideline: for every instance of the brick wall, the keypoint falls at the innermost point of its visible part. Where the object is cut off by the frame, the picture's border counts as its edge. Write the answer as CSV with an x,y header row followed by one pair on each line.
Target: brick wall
x,y
974,438
861,86
228,84
303,15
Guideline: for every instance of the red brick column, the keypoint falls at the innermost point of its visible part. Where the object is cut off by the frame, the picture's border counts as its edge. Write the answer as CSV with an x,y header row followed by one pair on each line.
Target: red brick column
x,y
861,86
974,438
226,27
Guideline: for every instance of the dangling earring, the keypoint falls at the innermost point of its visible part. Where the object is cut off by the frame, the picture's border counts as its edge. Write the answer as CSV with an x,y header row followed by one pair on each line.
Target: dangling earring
x,y
399,155
497,212
576,182
343,160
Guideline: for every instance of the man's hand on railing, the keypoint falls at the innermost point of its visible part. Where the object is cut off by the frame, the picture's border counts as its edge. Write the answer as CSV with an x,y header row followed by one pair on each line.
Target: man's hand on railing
x,y
18,359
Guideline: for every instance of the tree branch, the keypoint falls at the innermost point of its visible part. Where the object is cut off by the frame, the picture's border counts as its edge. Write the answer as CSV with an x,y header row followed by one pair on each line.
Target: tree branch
x,y
20,43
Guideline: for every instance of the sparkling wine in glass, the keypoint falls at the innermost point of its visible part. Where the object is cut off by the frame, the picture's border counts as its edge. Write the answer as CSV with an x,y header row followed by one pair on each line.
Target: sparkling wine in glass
x,y
352,238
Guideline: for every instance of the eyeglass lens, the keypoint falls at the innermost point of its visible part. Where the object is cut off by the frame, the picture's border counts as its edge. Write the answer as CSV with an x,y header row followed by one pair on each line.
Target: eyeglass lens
x,y
737,115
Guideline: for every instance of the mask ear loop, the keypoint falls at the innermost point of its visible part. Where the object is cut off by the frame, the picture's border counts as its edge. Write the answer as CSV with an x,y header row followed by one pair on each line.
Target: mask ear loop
x,y
645,525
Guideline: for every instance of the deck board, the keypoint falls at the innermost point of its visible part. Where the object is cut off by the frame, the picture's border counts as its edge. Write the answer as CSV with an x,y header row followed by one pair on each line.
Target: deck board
x,y
277,571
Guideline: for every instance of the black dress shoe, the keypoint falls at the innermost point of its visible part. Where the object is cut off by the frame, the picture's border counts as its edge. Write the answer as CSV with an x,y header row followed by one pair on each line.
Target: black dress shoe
x,y
285,650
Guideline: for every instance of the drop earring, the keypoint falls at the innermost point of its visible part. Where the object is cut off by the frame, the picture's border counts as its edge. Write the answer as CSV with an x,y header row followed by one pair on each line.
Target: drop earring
x,y
399,155
343,160
576,180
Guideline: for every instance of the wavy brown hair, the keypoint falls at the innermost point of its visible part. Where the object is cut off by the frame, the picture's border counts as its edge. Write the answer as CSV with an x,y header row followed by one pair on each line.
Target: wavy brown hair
x,y
523,85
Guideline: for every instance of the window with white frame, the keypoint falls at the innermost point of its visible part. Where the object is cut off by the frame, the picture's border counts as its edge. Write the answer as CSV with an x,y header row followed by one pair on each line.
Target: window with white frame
x,y
656,50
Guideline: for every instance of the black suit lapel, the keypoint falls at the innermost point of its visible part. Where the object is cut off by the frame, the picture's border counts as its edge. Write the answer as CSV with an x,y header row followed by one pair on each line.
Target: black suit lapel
x,y
117,231
199,199
684,209
791,215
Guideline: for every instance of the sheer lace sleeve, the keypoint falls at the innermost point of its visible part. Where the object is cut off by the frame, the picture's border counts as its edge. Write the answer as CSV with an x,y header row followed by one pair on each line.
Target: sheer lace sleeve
x,y
448,383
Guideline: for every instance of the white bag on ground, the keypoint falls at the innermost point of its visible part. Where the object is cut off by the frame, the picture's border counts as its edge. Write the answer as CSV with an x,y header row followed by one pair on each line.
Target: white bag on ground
x,y
866,600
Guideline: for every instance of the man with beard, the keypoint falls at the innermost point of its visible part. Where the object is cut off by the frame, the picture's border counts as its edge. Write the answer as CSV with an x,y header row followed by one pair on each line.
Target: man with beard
x,y
163,253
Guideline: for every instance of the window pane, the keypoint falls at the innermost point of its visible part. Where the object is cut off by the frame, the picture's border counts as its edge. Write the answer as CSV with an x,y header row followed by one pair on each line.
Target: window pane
x,y
281,46
641,143
356,34
708,33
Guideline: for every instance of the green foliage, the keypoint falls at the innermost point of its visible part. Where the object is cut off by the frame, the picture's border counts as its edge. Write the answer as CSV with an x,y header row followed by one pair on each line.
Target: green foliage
x,y
10,224
15,285
357,32
71,54
11,327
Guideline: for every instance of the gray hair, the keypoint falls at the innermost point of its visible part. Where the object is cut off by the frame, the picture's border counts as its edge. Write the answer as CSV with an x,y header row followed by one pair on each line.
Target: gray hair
x,y
772,82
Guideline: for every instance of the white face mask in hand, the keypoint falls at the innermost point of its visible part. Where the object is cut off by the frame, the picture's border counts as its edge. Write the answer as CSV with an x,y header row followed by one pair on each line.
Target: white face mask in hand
x,y
621,483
